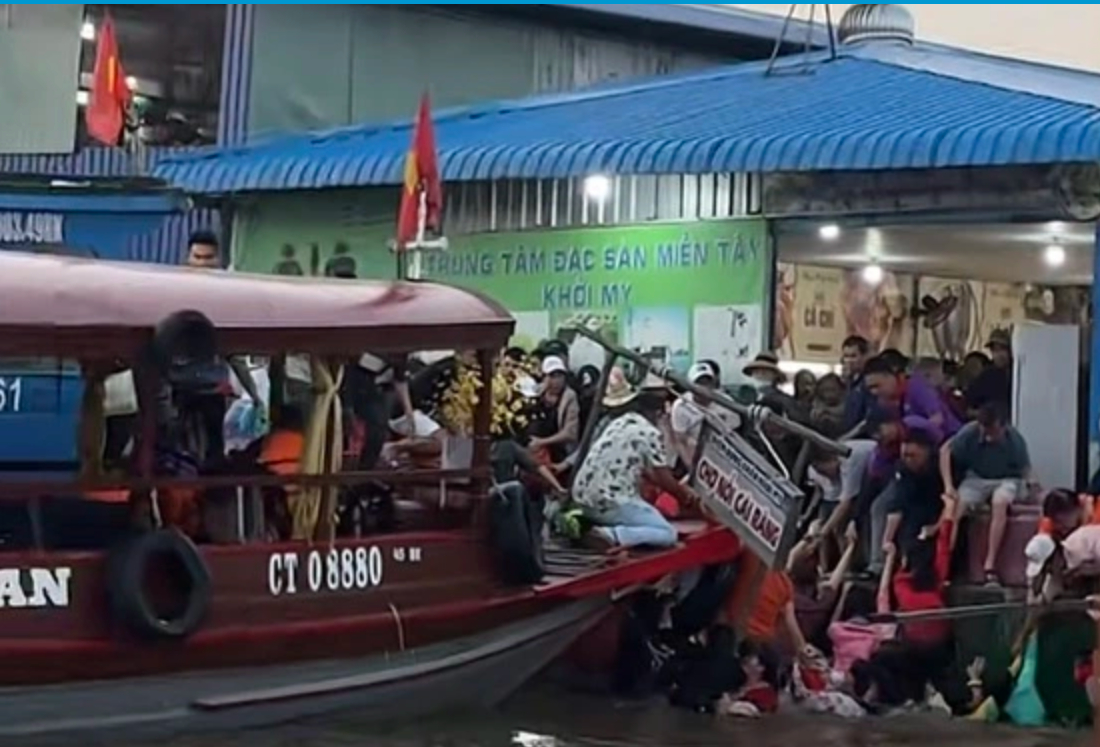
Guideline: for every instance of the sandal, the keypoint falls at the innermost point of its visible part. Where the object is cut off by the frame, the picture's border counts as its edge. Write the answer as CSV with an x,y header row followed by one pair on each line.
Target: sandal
x,y
992,580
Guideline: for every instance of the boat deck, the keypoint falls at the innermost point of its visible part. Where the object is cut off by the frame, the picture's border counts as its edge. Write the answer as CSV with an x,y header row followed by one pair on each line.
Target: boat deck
x,y
575,572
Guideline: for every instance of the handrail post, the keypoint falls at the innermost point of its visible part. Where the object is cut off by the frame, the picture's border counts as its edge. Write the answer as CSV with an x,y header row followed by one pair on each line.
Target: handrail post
x,y
597,411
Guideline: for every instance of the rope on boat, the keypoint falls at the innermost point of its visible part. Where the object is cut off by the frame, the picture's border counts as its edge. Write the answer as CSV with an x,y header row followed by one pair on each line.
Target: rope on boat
x,y
1091,604
400,626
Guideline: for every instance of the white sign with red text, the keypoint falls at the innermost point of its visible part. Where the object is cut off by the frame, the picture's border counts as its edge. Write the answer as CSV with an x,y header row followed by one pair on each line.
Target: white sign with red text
x,y
746,494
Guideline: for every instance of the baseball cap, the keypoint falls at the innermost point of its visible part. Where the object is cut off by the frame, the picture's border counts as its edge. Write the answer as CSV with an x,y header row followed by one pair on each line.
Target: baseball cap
x,y
701,370
552,364
1039,550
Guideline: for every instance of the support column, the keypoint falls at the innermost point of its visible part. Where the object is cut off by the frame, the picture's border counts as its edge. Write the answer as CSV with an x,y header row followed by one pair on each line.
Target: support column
x,y
1094,363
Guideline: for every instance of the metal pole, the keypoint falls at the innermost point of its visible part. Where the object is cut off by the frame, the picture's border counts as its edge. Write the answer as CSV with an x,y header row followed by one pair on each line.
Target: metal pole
x,y
596,413
411,253
986,610
719,398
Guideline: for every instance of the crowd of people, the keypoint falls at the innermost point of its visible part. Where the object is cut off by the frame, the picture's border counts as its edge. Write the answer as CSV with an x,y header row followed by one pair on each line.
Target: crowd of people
x,y
930,444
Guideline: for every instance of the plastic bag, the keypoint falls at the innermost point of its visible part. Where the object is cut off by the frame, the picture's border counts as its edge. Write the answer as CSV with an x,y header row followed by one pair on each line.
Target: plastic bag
x,y
245,422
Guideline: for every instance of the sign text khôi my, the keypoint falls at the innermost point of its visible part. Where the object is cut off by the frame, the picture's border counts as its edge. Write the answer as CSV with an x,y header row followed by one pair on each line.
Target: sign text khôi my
x,y
34,587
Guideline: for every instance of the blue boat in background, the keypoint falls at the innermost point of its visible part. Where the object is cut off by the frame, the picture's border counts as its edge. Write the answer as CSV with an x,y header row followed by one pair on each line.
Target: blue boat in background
x,y
40,399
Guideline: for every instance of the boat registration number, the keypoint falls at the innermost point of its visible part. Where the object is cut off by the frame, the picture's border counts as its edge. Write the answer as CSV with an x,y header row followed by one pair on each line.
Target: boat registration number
x,y
330,571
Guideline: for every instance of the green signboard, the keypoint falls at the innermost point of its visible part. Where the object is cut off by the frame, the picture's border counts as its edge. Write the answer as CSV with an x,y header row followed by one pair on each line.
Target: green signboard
x,y
674,291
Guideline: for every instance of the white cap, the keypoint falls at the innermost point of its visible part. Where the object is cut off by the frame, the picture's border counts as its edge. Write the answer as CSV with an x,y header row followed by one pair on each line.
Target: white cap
x,y
701,370
552,364
1039,550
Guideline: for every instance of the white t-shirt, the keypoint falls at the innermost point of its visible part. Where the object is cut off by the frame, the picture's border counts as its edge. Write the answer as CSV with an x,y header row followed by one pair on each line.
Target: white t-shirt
x,y
611,474
853,468
1082,546
686,417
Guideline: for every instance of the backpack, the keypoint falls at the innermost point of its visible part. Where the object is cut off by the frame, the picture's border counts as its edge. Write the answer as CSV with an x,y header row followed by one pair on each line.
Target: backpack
x,y
515,534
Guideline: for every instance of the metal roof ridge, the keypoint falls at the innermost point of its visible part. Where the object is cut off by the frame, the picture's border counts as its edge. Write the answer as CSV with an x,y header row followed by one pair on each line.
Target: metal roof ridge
x,y
1052,82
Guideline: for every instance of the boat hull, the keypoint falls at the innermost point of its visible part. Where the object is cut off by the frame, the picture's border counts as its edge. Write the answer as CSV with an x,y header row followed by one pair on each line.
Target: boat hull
x,y
472,671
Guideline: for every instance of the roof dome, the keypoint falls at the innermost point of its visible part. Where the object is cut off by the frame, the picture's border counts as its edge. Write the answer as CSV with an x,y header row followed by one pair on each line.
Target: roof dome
x,y
865,23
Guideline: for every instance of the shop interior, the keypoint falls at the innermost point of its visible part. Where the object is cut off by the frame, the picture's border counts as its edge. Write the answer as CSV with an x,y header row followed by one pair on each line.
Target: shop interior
x,y
940,291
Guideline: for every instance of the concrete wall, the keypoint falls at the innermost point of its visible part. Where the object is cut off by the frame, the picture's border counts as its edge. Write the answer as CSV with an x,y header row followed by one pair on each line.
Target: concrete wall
x,y
1058,34
318,66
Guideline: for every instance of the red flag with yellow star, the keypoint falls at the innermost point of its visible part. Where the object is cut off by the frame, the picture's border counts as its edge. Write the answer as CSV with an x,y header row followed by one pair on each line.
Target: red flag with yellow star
x,y
421,178
105,113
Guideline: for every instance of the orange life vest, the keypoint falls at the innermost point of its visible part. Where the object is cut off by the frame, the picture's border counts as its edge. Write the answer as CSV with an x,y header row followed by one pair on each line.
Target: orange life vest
x,y
282,452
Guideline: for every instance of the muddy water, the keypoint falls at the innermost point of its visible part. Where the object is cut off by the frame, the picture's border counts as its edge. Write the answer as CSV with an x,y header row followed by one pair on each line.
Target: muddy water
x,y
543,718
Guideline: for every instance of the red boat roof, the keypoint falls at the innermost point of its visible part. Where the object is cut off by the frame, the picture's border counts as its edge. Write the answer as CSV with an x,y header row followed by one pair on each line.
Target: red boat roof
x,y
85,308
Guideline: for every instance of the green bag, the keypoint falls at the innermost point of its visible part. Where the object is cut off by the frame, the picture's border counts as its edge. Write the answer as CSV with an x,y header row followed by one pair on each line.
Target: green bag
x,y
1024,706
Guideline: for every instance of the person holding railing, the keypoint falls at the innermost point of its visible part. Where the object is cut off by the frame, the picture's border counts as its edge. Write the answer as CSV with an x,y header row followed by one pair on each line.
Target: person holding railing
x,y
608,485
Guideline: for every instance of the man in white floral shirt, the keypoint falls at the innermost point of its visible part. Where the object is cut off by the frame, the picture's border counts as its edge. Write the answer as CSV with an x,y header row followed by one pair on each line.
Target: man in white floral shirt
x,y
608,486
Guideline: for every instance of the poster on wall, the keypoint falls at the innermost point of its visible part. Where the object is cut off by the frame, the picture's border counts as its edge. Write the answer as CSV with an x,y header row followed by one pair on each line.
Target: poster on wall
x,y
669,291
728,335
818,307
956,317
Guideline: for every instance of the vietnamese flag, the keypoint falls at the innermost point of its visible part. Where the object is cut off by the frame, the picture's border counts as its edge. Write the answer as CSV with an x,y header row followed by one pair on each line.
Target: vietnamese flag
x,y
105,114
421,177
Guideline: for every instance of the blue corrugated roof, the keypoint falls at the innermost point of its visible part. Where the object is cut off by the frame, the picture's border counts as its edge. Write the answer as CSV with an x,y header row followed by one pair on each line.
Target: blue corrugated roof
x,y
875,107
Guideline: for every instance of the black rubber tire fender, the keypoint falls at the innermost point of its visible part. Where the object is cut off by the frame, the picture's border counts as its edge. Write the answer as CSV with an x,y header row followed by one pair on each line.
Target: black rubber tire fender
x,y
128,601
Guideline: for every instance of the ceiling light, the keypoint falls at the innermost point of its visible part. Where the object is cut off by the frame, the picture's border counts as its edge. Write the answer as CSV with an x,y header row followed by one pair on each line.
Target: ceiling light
x,y
829,232
872,274
81,98
597,188
131,82
1054,255
87,31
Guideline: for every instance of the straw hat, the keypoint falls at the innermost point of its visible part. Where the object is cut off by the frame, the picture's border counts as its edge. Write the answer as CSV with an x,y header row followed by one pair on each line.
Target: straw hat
x,y
619,392
653,383
764,363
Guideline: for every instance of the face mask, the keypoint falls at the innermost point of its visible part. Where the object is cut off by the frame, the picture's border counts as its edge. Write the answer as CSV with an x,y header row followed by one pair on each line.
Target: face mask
x,y
761,383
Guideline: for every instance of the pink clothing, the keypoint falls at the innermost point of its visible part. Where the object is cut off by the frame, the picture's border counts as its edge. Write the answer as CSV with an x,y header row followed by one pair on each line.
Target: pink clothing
x,y
854,642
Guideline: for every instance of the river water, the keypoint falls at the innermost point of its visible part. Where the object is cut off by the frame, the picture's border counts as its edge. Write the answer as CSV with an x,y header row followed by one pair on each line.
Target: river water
x,y
550,718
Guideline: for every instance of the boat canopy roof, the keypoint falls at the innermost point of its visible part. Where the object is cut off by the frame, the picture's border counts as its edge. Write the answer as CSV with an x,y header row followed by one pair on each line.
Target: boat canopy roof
x,y
79,308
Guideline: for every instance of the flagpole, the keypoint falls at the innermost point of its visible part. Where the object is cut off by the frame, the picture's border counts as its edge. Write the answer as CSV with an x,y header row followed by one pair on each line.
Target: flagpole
x,y
412,261
409,256
421,175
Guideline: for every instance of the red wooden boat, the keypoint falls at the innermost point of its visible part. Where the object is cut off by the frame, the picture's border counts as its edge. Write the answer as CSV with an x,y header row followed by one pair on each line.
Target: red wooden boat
x,y
151,633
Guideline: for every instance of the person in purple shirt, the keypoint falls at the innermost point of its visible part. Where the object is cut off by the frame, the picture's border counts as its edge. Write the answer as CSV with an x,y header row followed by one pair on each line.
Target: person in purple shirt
x,y
910,395
873,506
